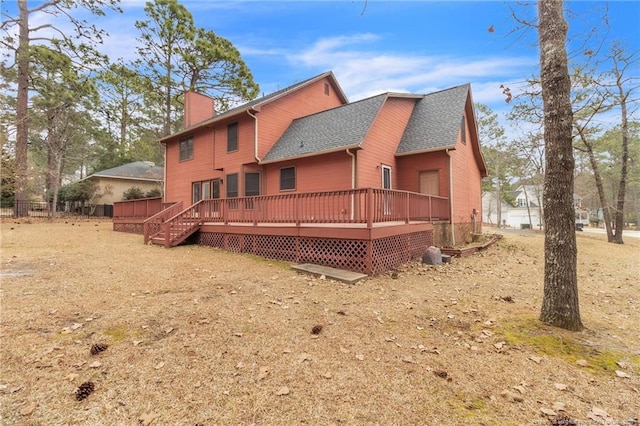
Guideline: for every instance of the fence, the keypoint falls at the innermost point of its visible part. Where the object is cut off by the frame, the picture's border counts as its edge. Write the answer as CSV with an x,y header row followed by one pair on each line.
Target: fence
x,y
21,208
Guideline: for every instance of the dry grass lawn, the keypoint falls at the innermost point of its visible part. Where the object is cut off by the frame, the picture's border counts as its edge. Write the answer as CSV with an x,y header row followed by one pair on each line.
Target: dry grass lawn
x,y
198,336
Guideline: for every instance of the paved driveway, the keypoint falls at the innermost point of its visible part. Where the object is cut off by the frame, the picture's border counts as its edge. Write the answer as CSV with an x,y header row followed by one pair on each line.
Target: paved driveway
x,y
632,234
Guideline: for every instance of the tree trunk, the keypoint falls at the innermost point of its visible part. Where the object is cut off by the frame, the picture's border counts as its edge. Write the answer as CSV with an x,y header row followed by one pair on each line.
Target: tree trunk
x,y
498,196
526,200
22,114
560,305
167,99
599,186
622,189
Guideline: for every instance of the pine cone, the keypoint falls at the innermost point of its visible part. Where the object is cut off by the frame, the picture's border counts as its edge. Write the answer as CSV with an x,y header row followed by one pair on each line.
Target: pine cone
x,y
441,373
96,348
84,390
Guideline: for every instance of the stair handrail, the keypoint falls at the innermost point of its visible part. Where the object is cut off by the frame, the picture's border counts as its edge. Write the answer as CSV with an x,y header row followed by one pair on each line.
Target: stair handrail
x,y
158,219
167,225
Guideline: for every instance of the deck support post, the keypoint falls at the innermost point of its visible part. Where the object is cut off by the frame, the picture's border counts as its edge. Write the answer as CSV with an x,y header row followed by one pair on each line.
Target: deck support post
x,y
369,200
407,211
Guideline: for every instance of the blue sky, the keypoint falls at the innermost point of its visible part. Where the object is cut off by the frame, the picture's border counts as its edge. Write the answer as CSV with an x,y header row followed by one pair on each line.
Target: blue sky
x,y
378,46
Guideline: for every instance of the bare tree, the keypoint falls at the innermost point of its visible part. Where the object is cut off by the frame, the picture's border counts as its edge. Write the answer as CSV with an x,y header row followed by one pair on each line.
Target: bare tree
x,y
597,94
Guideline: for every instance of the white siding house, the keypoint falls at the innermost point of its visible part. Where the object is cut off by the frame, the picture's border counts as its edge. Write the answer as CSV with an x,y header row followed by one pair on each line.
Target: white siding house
x,y
526,211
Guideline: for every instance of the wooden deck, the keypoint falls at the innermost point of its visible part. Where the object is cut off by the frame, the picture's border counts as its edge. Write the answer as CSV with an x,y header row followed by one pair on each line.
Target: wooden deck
x,y
364,230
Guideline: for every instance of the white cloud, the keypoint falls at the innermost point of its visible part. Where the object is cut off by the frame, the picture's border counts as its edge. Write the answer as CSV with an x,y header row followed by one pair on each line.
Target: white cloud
x,y
363,72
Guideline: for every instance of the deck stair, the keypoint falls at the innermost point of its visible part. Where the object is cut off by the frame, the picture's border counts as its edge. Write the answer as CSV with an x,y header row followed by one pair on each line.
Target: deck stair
x,y
178,228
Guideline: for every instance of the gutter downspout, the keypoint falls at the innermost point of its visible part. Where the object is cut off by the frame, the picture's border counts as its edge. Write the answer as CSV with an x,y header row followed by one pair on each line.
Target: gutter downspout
x,y
453,232
255,150
255,137
353,168
164,174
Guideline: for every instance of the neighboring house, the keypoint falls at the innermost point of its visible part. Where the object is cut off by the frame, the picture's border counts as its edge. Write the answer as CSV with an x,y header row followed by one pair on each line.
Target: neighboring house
x,y
112,183
526,210
392,174
308,138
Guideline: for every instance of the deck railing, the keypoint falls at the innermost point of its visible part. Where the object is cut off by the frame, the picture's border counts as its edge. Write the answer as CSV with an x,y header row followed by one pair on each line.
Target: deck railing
x,y
363,206
142,208
153,225
366,206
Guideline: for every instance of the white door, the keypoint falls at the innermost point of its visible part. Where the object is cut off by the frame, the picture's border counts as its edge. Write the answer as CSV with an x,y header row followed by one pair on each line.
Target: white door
x,y
386,184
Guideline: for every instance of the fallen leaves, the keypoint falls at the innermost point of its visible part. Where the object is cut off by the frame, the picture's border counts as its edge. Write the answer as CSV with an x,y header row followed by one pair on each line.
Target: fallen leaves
x,y
28,409
582,363
535,359
598,415
622,374
147,418
284,390
511,396
547,411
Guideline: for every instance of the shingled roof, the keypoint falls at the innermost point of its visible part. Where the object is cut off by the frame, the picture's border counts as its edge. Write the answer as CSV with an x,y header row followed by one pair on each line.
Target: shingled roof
x,y
256,103
327,131
434,124
435,121
138,170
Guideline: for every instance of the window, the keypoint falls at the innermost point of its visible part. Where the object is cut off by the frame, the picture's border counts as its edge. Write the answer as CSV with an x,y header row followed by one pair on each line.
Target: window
x,y
287,178
215,188
195,192
251,184
463,131
232,185
232,137
206,190
186,149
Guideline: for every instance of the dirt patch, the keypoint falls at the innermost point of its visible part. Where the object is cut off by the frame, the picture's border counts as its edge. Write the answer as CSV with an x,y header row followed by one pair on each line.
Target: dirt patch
x,y
195,335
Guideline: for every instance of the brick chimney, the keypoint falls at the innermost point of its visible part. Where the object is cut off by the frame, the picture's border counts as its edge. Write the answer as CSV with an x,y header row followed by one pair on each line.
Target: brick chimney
x,y
197,108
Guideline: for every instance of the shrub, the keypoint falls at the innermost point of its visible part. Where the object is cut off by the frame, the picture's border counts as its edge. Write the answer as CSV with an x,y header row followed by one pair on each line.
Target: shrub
x,y
133,193
155,192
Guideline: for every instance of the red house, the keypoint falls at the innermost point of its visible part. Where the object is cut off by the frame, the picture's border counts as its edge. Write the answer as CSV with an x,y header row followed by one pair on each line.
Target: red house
x,y
303,175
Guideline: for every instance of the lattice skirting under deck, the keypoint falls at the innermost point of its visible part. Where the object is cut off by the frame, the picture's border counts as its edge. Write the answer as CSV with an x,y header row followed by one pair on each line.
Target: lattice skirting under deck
x,y
132,228
386,253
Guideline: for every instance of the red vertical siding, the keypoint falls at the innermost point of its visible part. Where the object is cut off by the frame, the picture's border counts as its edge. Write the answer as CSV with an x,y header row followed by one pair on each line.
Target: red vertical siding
x,y
327,172
275,117
381,143
467,188
410,166
180,174
210,144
